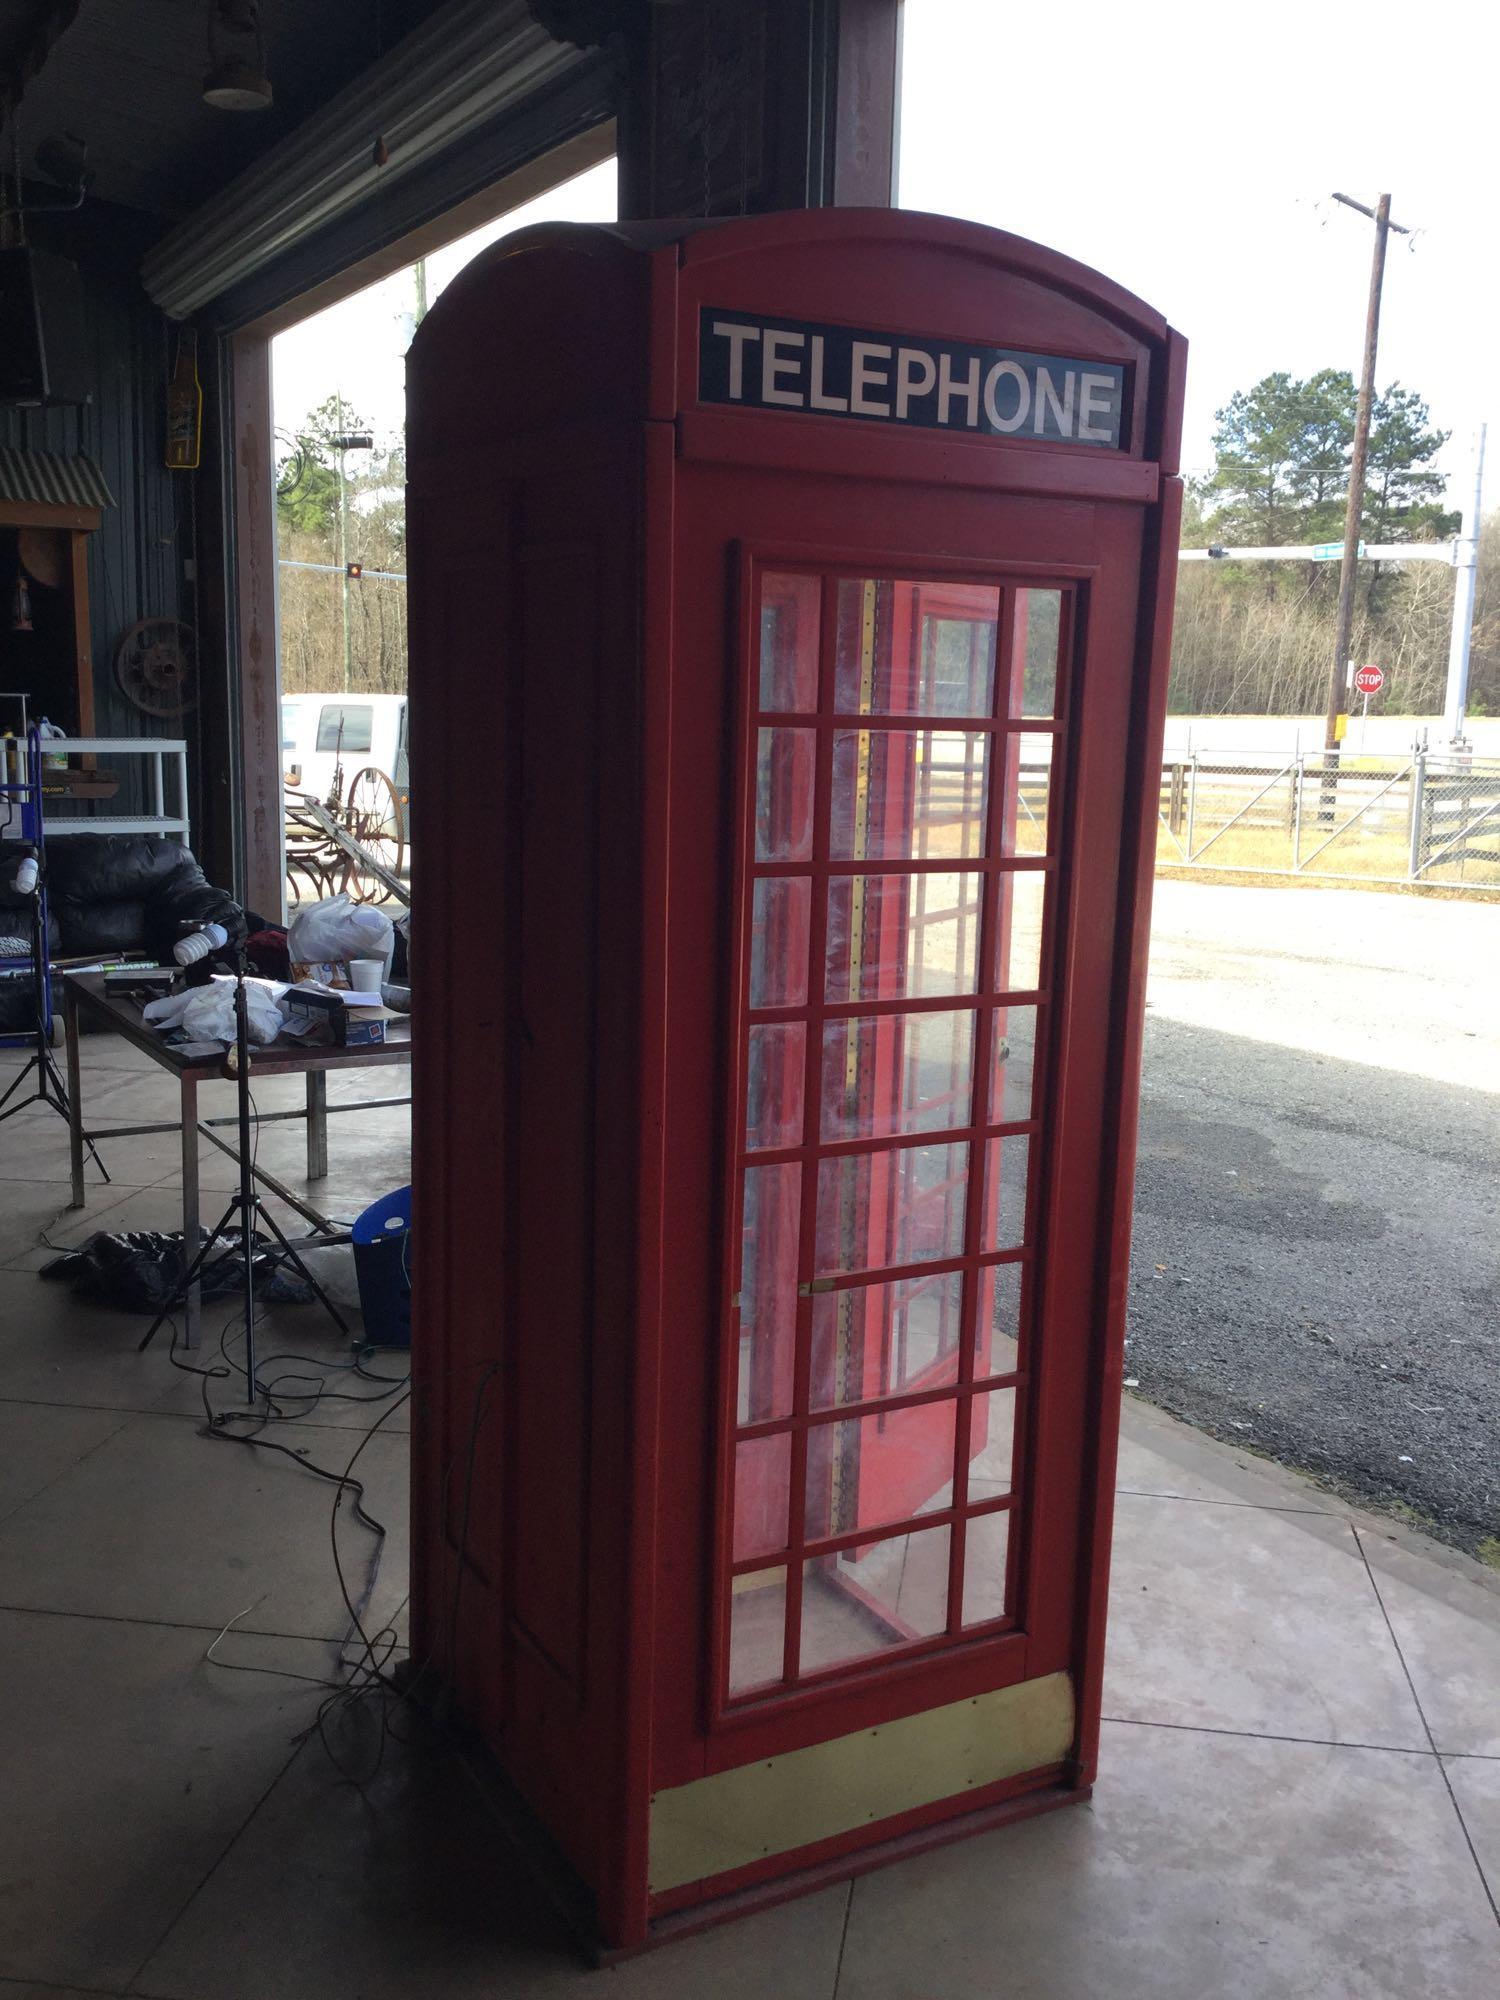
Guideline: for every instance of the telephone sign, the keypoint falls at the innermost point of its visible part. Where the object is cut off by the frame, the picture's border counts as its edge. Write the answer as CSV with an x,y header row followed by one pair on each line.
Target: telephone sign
x,y
899,378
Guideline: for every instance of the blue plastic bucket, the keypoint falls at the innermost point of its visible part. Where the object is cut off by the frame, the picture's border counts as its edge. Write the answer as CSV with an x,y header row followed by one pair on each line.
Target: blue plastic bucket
x,y
382,1266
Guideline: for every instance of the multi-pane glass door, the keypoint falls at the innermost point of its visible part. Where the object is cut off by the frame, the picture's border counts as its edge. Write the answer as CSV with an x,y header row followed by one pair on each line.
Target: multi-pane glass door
x,y
896,871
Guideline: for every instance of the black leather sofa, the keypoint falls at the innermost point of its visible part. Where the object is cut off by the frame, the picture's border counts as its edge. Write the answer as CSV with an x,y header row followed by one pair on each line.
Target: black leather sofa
x,y
110,893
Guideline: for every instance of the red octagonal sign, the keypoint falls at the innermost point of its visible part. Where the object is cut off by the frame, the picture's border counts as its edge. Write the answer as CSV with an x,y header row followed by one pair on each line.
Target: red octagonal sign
x,y
1369,680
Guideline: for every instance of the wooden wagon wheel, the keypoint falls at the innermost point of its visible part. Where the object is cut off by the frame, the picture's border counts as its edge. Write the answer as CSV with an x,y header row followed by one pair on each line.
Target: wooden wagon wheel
x,y
373,816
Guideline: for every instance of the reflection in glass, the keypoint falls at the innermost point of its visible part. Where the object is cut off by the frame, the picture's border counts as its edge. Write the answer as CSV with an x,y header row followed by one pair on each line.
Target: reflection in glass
x,y
757,1629
991,1445
778,941
986,1546
874,1597
1011,1077
865,1472
1034,683
877,1340
790,614
891,1073
915,648
1018,958
774,1085
900,937
1026,826
784,795
1005,1196
908,795
900,1206
768,1291
999,1350
762,1481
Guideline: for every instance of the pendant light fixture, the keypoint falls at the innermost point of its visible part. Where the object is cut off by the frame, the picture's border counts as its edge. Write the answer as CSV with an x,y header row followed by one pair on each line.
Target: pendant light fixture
x,y
236,79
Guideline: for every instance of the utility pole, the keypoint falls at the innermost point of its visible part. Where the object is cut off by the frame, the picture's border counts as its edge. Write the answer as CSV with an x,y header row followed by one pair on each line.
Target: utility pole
x,y
343,441
1466,557
1338,670
343,541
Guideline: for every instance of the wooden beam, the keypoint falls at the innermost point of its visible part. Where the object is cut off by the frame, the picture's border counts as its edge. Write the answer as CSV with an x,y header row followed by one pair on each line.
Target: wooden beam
x,y
255,676
83,648
48,514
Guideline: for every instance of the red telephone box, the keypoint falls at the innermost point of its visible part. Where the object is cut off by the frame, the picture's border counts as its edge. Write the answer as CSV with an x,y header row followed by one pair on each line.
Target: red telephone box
x,y
790,603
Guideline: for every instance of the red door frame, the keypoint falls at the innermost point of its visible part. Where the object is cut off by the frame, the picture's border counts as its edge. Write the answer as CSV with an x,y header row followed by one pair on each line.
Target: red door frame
x,y
996,868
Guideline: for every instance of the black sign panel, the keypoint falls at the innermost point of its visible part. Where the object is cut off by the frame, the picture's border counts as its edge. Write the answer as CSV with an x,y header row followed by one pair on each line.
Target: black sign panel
x,y
907,379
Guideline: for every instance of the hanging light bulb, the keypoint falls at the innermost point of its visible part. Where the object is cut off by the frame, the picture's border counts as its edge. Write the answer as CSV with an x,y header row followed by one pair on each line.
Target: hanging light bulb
x,y
236,79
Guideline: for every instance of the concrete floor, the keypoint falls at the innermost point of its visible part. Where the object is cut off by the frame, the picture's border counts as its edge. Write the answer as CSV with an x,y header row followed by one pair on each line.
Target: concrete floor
x,y
1300,1793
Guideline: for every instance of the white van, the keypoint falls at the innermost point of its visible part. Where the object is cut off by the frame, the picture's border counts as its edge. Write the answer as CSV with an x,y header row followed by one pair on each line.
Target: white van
x,y
321,731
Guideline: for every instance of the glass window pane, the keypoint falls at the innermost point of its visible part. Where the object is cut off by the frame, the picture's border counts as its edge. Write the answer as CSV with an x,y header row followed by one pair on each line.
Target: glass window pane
x,y
1034,680
1026,823
999,1350
864,1472
986,1547
768,1291
762,1482
790,614
757,1629
1005,1197
784,795
775,1084
889,1073
778,941
908,795
345,727
877,1340
1018,958
874,1597
903,1206
992,1436
1011,1077
900,937
915,648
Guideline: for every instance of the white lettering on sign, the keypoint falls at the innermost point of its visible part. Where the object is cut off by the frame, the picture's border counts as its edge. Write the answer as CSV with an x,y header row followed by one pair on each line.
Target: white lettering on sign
x,y
911,380
774,365
1095,392
864,376
736,335
950,391
915,374
818,397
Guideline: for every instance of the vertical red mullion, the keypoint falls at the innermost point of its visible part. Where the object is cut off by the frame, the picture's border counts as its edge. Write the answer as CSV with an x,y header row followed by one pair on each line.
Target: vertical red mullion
x,y
812,1116
984,1040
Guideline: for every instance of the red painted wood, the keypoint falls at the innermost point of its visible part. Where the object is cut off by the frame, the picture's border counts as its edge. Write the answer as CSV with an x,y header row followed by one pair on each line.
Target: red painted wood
x,y
588,550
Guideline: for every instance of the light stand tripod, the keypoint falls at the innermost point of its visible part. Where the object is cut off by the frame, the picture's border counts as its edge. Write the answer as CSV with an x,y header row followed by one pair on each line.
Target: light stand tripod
x,y
48,1088
246,1204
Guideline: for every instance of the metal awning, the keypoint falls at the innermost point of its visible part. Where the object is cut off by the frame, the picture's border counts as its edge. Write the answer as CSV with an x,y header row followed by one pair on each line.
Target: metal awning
x,y
52,479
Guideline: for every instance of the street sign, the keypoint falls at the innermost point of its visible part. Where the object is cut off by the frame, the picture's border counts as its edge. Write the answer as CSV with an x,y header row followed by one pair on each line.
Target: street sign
x,y
1330,551
1369,680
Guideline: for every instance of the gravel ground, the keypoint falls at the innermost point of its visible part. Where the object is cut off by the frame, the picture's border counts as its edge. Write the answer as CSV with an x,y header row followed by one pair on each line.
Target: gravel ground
x,y
1317,1241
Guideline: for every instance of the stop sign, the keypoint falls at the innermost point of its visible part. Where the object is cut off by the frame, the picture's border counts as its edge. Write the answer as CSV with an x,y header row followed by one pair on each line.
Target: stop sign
x,y
1369,680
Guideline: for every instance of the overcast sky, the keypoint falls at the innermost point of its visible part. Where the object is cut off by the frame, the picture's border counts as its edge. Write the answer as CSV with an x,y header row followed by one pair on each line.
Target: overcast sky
x,y
1190,152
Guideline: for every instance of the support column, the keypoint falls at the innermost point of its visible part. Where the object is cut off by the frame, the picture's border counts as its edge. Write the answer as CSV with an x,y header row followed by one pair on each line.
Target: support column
x,y
728,109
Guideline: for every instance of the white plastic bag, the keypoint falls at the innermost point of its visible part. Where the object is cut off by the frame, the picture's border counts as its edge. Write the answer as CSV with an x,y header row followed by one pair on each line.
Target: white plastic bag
x,y
334,931
206,1013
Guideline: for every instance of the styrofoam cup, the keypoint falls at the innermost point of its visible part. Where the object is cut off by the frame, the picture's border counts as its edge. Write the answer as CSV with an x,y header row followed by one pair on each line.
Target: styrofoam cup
x,y
366,974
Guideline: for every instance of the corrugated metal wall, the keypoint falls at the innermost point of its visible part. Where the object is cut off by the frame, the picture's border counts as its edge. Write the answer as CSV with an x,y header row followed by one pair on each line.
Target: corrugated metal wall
x,y
136,559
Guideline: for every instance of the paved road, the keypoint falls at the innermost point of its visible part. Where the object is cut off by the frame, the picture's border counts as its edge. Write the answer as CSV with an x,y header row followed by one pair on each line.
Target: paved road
x,y
1317,1242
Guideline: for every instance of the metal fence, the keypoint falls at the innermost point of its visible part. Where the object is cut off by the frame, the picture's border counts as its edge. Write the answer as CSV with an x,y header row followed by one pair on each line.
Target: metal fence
x,y
1428,819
